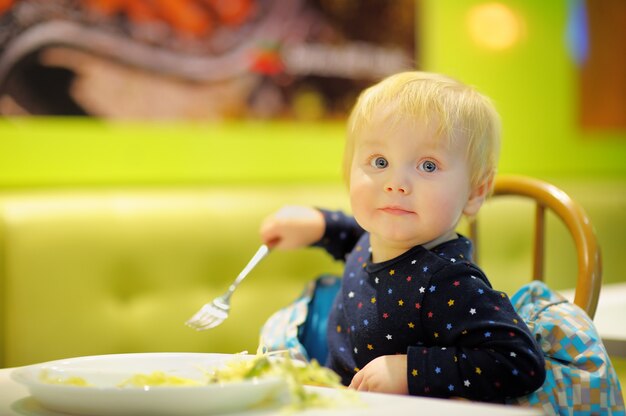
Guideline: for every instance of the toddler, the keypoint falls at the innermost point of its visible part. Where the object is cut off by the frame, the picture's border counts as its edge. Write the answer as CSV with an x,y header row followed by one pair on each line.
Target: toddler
x,y
414,314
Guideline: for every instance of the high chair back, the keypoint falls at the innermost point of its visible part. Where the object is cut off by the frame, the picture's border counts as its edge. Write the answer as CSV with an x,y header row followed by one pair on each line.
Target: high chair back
x,y
549,197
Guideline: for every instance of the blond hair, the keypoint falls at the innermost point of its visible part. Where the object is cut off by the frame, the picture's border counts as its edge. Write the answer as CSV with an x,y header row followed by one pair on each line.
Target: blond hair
x,y
458,112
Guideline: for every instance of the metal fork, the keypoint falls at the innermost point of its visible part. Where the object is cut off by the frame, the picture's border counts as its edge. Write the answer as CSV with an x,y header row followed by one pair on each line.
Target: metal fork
x,y
215,312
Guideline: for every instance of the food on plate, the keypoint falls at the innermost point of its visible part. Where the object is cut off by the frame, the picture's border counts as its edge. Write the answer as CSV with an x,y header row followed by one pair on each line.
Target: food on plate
x,y
158,378
45,377
296,375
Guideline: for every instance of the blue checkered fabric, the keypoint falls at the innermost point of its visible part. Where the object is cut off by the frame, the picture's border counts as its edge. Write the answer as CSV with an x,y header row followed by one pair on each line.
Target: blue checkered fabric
x,y
300,327
580,377
280,331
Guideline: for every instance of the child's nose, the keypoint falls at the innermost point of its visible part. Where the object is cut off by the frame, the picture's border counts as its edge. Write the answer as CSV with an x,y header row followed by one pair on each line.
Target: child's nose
x,y
399,181
400,188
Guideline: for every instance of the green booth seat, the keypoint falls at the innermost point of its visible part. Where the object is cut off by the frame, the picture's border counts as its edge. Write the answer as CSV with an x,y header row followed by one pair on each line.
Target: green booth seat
x,y
101,271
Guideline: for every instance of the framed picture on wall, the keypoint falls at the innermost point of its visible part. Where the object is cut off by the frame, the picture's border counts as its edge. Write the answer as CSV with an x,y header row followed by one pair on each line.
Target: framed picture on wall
x,y
199,59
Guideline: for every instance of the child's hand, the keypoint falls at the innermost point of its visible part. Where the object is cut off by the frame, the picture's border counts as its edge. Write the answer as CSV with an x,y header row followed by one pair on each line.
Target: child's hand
x,y
293,227
384,374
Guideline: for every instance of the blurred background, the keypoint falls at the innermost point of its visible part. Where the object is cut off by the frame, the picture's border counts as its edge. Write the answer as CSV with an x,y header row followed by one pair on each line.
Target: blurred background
x,y
149,92
249,97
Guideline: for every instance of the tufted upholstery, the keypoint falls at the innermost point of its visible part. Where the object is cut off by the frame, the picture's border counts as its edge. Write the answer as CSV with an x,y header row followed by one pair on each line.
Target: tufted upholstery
x,y
102,271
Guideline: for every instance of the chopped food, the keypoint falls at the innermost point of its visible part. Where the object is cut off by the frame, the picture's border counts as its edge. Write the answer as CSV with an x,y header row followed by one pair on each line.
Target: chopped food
x,y
158,378
296,374
45,377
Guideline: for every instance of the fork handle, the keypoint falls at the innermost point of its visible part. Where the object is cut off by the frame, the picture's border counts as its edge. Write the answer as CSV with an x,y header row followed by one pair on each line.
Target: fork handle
x,y
258,256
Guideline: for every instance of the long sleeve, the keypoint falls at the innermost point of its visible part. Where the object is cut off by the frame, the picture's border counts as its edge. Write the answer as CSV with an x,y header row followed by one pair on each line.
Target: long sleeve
x,y
474,343
341,234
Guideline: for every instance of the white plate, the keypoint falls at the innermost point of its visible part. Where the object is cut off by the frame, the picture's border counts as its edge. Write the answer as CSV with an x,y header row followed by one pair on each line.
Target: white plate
x,y
104,398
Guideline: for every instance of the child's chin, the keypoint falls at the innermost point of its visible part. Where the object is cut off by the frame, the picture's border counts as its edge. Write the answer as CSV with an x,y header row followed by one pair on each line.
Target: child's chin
x,y
403,240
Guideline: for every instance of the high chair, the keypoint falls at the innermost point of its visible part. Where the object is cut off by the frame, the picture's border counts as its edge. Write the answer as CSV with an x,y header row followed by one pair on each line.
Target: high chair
x,y
549,197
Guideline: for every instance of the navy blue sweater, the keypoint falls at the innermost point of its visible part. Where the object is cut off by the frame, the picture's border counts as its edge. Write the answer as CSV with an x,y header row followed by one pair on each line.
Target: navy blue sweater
x,y
461,337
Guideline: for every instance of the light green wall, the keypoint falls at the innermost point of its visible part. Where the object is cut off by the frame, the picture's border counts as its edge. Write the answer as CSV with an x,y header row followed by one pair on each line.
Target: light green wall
x,y
534,86
70,152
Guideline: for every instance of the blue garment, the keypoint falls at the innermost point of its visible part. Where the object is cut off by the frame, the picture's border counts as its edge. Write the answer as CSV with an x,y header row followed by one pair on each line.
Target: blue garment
x,y
462,338
312,332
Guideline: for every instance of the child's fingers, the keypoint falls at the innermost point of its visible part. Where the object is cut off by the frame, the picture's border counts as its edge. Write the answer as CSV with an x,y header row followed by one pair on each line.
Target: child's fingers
x,y
356,382
272,242
270,234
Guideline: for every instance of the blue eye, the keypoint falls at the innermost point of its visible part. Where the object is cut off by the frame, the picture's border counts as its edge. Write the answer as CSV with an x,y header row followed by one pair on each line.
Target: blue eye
x,y
428,166
379,162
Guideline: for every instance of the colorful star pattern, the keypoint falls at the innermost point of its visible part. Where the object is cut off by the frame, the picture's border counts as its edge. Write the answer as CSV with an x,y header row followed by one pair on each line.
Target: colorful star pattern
x,y
461,337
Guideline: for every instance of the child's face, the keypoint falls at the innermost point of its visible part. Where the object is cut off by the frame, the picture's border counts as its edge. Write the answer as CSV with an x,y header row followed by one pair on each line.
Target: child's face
x,y
407,187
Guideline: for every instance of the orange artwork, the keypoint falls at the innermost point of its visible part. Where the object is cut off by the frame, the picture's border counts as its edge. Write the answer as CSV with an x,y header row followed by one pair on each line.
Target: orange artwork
x,y
5,5
198,59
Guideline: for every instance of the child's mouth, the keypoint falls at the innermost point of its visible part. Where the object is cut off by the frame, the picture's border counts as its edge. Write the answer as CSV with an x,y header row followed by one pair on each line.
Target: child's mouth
x,y
393,210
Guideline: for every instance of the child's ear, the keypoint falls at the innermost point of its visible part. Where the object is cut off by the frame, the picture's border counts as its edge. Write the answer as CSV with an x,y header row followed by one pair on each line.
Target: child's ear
x,y
478,196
